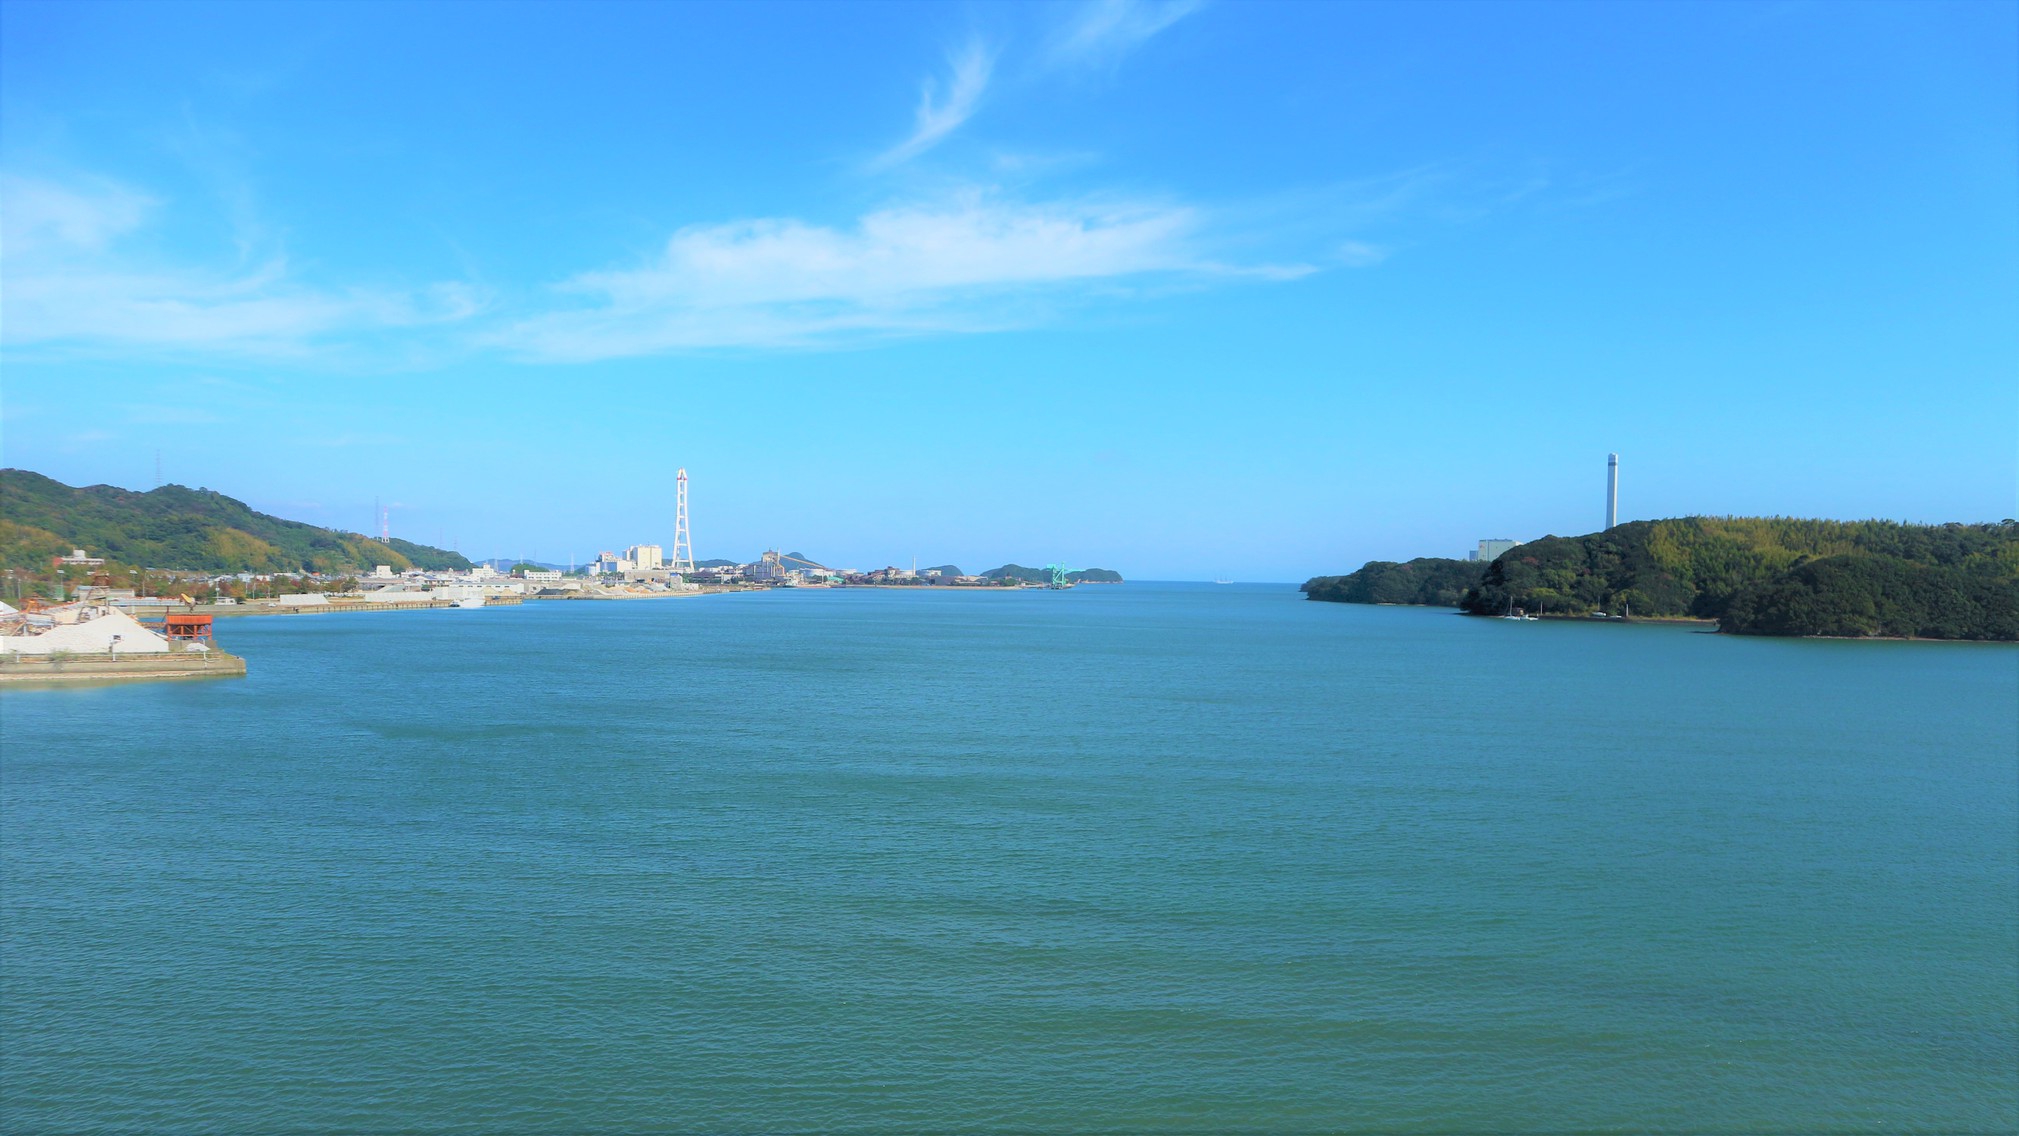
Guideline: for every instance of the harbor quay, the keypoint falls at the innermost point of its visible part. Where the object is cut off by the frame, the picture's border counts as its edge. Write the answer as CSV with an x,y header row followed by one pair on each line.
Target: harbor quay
x,y
89,643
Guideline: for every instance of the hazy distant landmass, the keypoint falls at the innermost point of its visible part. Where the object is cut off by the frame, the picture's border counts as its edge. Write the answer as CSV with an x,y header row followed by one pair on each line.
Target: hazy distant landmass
x,y
1753,575
1044,576
178,527
508,563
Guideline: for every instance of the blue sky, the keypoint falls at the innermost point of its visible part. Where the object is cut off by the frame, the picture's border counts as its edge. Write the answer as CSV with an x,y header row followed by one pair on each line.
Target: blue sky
x,y
1186,290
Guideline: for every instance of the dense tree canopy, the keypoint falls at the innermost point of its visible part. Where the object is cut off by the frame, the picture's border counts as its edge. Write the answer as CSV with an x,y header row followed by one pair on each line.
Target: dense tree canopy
x,y
178,527
1879,595
1427,580
1754,575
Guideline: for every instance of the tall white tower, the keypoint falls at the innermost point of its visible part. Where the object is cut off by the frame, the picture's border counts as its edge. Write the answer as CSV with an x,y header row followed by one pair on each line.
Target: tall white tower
x,y
1611,490
683,544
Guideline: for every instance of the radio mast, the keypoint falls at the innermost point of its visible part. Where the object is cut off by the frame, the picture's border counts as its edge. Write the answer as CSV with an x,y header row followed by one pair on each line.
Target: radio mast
x,y
683,544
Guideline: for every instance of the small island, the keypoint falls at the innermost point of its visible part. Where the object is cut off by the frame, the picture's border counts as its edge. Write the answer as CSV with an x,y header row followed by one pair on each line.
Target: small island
x,y
1749,575
1019,573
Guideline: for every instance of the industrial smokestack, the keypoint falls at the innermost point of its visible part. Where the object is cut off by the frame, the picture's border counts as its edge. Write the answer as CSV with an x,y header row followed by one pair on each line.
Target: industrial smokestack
x,y
1611,490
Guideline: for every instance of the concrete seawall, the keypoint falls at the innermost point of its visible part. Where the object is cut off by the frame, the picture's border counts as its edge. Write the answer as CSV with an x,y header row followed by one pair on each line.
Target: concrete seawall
x,y
82,668
261,607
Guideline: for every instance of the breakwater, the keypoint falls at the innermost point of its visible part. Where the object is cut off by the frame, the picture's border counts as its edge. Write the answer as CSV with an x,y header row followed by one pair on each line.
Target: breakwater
x,y
66,667
159,611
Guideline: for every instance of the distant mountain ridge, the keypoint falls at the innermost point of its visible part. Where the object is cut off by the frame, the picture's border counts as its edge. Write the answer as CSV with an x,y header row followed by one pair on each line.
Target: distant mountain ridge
x,y
175,527
507,563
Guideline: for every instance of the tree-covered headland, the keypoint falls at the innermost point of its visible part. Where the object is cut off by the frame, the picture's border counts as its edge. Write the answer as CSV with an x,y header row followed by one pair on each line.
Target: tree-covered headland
x,y
1753,575
1428,580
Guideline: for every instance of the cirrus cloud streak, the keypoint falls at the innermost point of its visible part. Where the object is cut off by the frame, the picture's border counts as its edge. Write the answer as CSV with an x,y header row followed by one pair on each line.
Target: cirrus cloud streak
x,y
72,282
936,117
966,265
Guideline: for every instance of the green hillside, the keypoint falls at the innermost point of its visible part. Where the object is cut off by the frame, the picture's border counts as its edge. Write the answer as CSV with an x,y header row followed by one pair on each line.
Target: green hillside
x,y
174,527
1754,575
1428,580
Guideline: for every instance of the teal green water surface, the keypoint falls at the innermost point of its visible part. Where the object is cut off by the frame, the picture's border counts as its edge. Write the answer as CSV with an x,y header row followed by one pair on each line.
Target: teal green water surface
x,y
1115,859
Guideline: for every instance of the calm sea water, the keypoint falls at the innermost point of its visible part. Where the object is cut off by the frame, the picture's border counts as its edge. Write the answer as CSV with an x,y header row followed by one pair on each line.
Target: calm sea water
x,y
1124,858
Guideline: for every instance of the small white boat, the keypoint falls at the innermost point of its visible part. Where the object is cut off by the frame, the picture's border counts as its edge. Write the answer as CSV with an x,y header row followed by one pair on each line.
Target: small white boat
x,y
467,601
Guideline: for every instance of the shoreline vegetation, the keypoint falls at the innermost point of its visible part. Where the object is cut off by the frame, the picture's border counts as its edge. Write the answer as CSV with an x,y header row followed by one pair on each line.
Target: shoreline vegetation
x,y
1775,576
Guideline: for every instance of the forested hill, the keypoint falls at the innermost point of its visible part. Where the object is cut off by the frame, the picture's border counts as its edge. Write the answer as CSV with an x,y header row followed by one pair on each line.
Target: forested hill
x,y
1428,580
1764,576
177,527
1044,576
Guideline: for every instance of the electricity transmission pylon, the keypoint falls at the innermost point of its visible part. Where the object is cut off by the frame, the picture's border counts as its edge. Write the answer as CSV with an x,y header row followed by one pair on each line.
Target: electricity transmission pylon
x,y
683,544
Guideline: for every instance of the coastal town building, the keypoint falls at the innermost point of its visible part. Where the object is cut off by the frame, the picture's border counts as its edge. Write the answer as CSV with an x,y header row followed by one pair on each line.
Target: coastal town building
x,y
1491,548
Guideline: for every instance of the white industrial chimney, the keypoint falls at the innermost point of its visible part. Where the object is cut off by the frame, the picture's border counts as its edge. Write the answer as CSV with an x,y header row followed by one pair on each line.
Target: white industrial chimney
x,y
1611,490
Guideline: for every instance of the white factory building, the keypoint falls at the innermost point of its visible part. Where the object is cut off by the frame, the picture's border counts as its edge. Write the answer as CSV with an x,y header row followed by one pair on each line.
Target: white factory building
x,y
637,558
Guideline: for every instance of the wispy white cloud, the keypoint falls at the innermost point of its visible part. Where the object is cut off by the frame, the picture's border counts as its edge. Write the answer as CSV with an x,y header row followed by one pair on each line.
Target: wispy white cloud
x,y
1103,31
166,414
39,215
939,112
69,282
1033,164
345,441
1360,254
80,275
970,263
